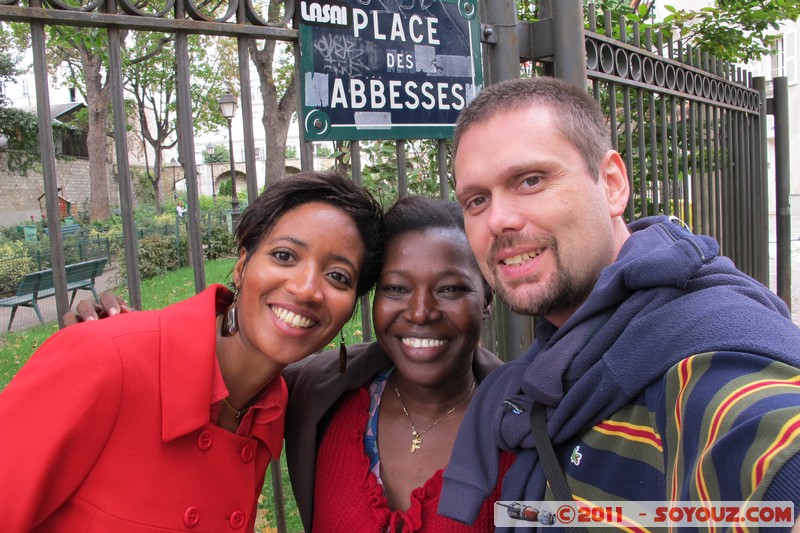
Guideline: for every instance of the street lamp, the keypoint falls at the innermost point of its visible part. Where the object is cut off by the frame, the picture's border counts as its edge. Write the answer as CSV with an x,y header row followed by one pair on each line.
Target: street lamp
x,y
174,164
227,105
210,152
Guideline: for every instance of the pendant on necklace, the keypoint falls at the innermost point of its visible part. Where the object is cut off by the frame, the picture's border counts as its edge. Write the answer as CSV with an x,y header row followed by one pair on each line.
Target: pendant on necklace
x,y
416,442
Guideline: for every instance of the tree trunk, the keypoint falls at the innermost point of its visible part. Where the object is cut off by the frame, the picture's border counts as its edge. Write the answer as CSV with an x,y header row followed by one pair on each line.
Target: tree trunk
x,y
278,112
157,181
97,101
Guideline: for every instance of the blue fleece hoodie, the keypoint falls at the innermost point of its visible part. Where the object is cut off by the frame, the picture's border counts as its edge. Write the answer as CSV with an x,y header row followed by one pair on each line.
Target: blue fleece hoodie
x,y
668,296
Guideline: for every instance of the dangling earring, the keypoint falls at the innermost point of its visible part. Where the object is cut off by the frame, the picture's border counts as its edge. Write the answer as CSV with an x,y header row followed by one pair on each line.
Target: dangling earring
x,y
231,322
342,354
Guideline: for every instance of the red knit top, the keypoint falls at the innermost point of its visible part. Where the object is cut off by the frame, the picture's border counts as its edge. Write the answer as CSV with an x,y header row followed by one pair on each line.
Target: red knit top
x,y
348,497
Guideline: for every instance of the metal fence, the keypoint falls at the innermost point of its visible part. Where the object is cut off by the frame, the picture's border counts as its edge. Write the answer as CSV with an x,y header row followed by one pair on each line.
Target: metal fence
x,y
690,128
13,268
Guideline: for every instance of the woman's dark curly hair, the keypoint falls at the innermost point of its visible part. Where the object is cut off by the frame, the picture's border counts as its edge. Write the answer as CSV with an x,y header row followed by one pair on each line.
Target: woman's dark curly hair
x,y
328,187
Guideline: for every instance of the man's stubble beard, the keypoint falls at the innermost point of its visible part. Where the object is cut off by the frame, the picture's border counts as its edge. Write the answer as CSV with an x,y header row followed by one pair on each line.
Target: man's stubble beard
x,y
562,292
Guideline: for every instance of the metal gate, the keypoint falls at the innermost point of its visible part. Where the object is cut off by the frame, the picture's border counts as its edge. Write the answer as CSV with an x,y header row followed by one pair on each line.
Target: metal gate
x,y
691,129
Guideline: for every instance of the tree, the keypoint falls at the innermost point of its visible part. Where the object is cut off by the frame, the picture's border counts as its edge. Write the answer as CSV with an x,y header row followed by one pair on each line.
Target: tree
x,y
278,93
221,154
88,71
8,70
732,30
151,80
20,128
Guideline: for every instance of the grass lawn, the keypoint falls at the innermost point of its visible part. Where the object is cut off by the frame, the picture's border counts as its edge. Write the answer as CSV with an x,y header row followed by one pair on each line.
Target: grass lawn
x,y
17,346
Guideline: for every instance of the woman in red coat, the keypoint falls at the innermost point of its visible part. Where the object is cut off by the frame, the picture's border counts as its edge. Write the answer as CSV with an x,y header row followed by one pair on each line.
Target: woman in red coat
x,y
166,420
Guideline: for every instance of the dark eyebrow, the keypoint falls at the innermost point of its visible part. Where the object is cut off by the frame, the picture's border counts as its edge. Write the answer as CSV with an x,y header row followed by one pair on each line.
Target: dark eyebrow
x,y
304,245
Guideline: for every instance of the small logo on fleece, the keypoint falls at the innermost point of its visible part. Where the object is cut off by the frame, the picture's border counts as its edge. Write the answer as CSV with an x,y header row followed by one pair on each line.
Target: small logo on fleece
x,y
576,456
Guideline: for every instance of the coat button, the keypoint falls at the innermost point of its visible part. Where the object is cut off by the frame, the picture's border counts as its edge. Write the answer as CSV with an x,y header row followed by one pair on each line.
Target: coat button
x,y
237,519
191,517
205,439
247,453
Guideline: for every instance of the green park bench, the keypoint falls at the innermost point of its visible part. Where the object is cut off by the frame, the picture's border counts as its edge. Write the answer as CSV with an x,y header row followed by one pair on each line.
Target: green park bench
x,y
68,227
36,286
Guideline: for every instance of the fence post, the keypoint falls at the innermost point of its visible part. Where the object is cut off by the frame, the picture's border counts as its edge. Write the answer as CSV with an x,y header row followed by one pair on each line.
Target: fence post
x,y
569,48
499,31
780,111
178,239
47,150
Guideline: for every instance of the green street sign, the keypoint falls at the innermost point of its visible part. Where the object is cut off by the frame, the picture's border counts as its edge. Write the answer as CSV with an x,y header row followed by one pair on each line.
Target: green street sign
x,y
387,69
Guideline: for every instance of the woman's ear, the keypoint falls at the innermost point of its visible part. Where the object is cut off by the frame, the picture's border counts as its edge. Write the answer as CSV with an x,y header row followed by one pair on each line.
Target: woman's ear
x,y
238,268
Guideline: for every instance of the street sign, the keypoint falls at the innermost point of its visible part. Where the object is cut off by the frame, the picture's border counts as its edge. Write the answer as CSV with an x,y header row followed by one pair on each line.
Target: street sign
x,y
387,69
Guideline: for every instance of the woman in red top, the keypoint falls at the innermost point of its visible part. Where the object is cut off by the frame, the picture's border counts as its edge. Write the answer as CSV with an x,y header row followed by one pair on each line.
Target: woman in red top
x,y
366,448
166,420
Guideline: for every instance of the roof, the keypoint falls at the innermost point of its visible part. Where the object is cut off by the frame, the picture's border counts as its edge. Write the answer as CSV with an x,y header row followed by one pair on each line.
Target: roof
x,y
58,111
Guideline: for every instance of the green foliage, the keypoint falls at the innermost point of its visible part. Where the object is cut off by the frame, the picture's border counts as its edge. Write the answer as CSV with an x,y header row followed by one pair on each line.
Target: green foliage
x,y
22,131
291,152
380,169
8,71
21,128
157,255
225,192
16,348
221,154
15,263
322,150
732,30
219,244
226,189
142,186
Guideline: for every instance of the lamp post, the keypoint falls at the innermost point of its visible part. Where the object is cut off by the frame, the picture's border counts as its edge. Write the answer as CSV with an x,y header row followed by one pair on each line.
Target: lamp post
x,y
210,152
227,105
174,164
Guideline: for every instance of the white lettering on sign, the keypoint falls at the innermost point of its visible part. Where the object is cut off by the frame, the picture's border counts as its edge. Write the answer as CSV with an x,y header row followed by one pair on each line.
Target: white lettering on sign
x,y
332,14
395,94
399,61
385,26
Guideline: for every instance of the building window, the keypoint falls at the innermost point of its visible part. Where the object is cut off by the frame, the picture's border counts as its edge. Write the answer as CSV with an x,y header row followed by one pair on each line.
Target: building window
x,y
776,58
261,154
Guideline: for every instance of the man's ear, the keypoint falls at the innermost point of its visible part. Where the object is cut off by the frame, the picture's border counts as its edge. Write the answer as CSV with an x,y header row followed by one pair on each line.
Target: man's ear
x,y
613,174
488,300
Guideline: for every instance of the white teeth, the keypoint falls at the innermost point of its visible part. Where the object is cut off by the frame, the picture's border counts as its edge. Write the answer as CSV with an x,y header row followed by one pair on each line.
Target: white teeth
x,y
293,319
521,258
423,343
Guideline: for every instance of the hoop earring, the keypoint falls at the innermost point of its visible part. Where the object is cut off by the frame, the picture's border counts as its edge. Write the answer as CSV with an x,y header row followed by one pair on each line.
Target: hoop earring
x,y
342,353
230,323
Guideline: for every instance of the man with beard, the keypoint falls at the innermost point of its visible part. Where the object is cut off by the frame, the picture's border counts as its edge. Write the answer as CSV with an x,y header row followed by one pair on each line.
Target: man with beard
x,y
665,373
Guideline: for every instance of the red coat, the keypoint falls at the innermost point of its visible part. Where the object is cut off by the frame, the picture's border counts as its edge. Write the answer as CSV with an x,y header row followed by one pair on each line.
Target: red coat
x,y
107,429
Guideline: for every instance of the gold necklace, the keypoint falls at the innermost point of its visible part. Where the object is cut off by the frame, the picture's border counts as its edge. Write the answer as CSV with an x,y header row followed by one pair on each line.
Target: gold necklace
x,y
236,412
416,441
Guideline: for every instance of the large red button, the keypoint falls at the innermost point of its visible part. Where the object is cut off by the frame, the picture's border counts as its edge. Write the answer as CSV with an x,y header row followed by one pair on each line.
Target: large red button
x,y
205,439
237,519
191,517
246,453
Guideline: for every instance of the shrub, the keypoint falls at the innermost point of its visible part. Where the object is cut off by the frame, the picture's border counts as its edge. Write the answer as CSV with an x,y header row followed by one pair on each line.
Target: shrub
x,y
221,244
14,264
157,255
